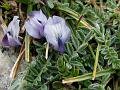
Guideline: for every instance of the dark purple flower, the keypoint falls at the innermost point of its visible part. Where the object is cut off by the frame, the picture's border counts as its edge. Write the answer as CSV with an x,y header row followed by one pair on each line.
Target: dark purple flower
x,y
11,33
56,32
35,24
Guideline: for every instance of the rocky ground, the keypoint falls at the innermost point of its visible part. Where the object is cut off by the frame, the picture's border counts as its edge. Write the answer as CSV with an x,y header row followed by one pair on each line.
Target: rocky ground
x,y
7,59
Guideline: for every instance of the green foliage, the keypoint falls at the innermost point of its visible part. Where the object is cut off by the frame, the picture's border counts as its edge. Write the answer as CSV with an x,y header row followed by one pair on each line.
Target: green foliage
x,y
50,3
96,86
27,1
79,56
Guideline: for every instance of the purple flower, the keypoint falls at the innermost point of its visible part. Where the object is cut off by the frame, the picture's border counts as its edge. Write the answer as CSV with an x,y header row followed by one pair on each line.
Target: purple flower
x,y
11,33
56,32
35,24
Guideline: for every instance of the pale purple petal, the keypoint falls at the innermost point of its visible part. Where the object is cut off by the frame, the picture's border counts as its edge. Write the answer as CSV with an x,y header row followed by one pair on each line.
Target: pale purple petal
x,y
49,33
13,27
65,33
34,28
63,28
57,19
39,16
35,24
57,32
52,32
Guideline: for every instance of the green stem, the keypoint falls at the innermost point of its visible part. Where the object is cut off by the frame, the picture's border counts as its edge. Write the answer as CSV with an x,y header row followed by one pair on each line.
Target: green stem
x,y
27,47
96,61
88,76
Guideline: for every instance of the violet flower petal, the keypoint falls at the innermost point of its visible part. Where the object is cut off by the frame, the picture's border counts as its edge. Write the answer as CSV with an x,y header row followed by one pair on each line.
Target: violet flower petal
x,y
10,41
61,45
5,40
13,41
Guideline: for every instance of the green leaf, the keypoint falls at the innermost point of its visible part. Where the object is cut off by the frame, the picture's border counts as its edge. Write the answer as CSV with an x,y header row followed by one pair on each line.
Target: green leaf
x,y
74,55
97,32
105,79
76,63
116,64
69,49
57,85
99,39
61,65
82,47
44,87
89,36
50,3
96,86
75,41
80,35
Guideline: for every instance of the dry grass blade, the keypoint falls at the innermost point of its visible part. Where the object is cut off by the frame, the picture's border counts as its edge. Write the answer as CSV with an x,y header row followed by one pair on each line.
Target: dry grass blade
x,y
16,65
2,26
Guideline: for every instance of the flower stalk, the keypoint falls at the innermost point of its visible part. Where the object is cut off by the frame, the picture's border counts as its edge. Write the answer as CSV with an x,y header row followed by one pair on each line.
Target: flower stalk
x,y
47,49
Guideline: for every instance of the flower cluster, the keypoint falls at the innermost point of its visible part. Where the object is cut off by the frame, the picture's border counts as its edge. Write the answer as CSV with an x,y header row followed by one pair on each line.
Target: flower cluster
x,y
54,29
